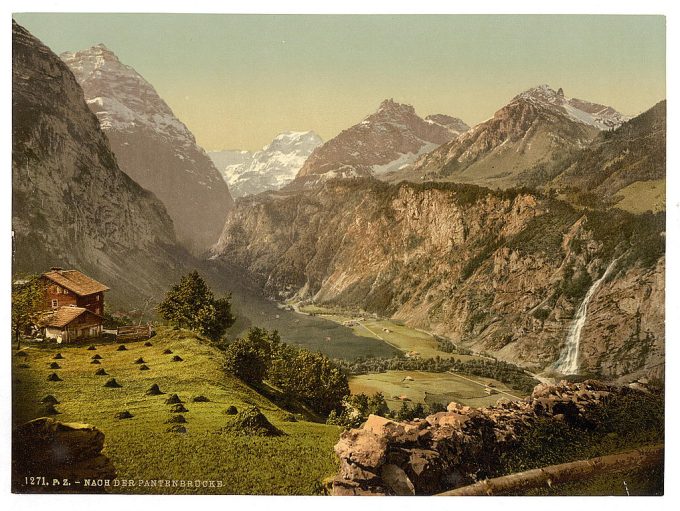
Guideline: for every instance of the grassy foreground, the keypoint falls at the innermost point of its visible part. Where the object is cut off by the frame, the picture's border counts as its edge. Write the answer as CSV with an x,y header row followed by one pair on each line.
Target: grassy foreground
x,y
140,447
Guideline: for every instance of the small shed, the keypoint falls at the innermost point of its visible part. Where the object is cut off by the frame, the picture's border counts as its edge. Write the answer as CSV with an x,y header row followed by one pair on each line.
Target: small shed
x,y
70,323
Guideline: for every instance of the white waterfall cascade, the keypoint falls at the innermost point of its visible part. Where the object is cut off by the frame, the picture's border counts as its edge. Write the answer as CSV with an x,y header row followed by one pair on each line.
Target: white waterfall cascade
x,y
568,361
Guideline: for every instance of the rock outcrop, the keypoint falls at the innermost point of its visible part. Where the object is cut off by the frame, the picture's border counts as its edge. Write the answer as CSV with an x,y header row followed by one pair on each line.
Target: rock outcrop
x,y
49,449
72,206
460,446
502,272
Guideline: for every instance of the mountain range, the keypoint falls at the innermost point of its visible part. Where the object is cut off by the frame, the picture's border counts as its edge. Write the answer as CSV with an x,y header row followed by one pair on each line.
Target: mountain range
x,y
530,130
383,142
271,168
418,219
152,146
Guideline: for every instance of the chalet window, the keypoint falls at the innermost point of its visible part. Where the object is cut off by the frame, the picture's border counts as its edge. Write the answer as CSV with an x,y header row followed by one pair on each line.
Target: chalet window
x,y
57,289
98,310
65,291
97,297
55,304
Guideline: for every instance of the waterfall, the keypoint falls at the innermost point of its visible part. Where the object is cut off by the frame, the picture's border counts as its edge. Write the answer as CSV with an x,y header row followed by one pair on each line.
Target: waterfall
x,y
568,361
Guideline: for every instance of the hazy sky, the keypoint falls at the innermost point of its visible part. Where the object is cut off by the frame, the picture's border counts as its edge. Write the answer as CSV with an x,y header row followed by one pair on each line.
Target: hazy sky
x,y
238,80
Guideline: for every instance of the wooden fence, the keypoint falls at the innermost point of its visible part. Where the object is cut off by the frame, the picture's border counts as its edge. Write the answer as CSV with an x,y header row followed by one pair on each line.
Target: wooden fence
x,y
133,332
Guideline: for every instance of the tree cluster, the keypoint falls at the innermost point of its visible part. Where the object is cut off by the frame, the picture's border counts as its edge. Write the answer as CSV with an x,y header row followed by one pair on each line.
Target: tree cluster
x,y
191,304
311,378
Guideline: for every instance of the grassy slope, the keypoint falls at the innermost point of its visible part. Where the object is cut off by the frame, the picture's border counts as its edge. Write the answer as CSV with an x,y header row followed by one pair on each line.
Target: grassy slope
x,y
140,448
643,196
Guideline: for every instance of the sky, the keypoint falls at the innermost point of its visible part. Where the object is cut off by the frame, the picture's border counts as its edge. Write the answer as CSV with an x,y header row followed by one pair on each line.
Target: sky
x,y
238,80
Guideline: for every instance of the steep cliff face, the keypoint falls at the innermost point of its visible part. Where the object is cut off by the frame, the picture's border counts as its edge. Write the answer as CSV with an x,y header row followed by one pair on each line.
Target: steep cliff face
x,y
152,146
72,205
497,271
385,141
532,129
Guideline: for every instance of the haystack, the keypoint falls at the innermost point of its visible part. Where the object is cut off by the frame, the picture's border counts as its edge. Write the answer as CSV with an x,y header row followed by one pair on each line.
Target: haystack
x,y
144,367
100,372
58,356
91,347
95,361
177,428
178,408
173,399
54,365
54,377
252,422
124,415
154,390
140,360
49,399
112,383
167,352
177,358
96,357
121,348
176,419
200,399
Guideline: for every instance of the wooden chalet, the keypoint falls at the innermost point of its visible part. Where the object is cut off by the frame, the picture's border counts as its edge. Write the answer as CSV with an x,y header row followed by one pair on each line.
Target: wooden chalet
x,y
74,304
70,323
71,287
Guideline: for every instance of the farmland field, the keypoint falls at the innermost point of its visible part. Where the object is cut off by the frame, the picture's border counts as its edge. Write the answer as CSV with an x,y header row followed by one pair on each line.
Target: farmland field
x,y
400,337
140,447
429,388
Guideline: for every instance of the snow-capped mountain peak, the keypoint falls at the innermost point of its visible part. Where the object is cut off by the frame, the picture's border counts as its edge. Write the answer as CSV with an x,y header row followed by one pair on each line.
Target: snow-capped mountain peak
x,y
270,168
120,97
600,116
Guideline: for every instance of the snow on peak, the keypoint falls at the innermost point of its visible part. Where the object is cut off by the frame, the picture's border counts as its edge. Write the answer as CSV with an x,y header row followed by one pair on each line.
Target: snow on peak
x,y
120,97
271,168
600,116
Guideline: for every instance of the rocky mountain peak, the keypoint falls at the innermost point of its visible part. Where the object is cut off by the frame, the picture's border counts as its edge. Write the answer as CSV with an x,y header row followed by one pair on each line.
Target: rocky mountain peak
x,y
152,145
120,97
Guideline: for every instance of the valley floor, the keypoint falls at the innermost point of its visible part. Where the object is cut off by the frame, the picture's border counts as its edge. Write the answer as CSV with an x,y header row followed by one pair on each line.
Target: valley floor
x,y
140,447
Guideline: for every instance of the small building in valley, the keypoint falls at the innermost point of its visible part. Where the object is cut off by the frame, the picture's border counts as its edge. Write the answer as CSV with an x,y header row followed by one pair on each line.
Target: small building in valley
x,y
71,287
70,323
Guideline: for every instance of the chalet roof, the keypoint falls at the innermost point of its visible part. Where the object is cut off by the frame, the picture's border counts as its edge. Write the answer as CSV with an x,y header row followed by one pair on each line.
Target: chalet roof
x,y
62,316
75,281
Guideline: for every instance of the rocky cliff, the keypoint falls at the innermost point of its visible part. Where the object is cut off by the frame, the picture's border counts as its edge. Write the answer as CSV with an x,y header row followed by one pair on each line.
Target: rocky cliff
x,y
534,128
385,141
463,445
72,205
502,272
152,146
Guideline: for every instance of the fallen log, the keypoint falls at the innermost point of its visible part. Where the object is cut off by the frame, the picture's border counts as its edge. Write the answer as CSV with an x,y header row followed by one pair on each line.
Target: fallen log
x,y
566,472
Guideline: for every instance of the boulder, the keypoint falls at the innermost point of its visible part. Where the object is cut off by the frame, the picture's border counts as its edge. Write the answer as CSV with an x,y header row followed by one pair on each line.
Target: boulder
x,y
57,450
397,480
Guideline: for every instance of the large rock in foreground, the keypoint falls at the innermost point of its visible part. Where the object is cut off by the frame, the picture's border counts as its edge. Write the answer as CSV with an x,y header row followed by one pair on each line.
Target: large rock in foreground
x,y
462,445
49,449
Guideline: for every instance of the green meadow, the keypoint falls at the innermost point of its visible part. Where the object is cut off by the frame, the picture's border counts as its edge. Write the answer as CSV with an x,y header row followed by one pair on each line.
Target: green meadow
x,y
141,448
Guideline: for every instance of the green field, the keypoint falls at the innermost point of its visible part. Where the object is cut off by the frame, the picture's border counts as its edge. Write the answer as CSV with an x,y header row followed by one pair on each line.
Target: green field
x,y
428,388
642,196
313,333
140,447
400,337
